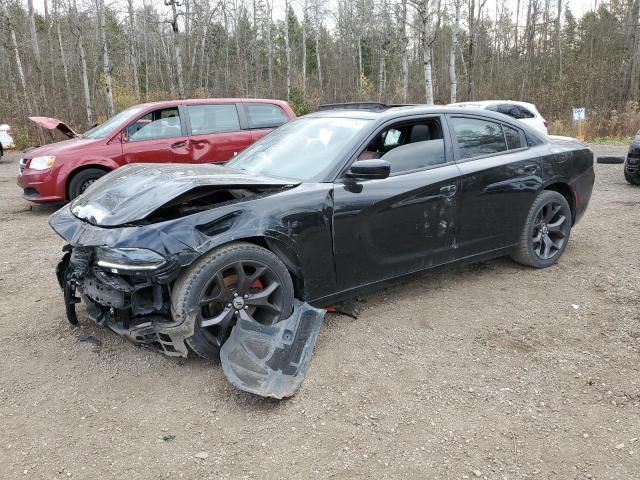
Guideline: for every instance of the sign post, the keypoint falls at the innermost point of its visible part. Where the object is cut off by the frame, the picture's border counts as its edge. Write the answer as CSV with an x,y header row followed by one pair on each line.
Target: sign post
x,y
579,116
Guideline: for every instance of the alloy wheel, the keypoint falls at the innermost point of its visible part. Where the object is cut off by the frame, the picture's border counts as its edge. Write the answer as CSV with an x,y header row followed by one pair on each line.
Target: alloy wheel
x,y
244,289
550,230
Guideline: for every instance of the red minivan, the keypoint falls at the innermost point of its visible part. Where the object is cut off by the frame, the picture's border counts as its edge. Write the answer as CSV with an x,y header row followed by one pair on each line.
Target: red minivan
x,y
180,131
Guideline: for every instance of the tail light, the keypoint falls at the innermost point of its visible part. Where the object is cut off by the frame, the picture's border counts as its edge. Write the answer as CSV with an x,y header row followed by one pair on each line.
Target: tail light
x,y
546,124
10,132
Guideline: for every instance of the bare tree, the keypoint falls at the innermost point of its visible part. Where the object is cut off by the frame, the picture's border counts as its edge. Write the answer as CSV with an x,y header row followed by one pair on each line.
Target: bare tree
x,y
176,43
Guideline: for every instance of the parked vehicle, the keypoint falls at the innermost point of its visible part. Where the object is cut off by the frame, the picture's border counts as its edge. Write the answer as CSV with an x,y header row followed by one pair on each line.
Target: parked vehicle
x,y
632,162
327,207
181,131
527,113
6,138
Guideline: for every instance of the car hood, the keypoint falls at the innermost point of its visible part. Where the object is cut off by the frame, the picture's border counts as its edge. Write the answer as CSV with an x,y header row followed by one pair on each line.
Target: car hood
x,y
133,193
64,149
54,124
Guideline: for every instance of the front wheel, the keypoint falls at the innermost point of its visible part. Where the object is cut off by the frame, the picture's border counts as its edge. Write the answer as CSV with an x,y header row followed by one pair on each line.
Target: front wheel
x,y
239,280
546,232
82,180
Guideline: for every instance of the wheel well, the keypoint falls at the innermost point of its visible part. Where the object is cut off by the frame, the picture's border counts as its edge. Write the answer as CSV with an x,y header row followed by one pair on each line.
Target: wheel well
x,y
286,256
565,190
80,169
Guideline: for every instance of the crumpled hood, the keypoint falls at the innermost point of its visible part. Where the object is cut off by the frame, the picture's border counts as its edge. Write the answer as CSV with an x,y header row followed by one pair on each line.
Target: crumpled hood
x,y
133,192
54,124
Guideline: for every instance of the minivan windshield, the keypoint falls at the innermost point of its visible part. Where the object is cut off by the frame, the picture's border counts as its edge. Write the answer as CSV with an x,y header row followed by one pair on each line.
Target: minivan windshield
x,y
300,150
108,127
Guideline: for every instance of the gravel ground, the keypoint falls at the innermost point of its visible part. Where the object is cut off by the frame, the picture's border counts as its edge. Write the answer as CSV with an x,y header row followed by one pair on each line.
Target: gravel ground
x,y
492,371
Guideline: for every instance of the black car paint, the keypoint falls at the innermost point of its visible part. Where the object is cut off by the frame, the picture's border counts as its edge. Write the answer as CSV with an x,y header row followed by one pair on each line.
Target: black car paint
x,y
632,162
337,235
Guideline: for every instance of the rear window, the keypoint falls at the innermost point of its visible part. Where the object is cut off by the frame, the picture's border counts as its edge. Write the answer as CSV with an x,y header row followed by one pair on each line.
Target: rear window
x,y
213,118
265,115
513,137
478,137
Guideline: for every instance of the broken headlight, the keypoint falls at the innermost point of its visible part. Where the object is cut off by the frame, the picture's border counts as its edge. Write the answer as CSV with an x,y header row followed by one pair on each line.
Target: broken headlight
x,y
128,258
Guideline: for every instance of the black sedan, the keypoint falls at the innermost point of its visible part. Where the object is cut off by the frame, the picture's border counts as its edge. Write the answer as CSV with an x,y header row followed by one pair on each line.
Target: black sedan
x,y
330,206
632,162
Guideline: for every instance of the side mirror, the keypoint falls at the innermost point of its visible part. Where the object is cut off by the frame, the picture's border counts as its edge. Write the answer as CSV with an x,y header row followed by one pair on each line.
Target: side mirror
x,y
369,169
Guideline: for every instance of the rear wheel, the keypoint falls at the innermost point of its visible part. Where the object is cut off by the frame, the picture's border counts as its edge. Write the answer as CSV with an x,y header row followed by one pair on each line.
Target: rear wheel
x,y
546,232
82,180
239,280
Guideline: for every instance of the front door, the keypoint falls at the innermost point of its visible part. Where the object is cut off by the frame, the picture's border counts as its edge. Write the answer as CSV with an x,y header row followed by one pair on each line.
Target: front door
x,y
404,223
158,136
215,135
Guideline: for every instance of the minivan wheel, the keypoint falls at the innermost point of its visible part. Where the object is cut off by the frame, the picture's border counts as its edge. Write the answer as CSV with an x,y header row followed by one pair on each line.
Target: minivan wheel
x,y
546,232
82,180
239,280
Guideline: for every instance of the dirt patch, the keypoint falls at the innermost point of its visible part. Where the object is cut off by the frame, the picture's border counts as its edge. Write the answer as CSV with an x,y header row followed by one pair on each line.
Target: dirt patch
x,y
493,370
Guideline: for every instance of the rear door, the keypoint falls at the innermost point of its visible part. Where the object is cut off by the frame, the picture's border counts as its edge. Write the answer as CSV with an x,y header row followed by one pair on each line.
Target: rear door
x,y
263,117
500,177
215,133
158,136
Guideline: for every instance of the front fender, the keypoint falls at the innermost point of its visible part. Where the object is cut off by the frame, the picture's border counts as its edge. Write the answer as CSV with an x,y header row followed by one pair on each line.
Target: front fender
x,y
68,169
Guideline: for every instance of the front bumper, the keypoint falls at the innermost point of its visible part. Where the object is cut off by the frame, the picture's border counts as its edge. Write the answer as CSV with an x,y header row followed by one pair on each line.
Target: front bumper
x,y
135,305
39,186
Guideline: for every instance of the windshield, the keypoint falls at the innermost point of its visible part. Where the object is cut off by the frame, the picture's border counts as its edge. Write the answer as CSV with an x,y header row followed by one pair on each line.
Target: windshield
x,y
108,127
301,149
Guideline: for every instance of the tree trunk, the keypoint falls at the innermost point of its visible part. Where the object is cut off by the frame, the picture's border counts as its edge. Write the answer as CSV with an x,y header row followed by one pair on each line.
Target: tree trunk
x,y
269,47
16,52
133,49
34,37
65,69
404,56
85,82
287,47
318,57
304,47
106,65
176,46
453,78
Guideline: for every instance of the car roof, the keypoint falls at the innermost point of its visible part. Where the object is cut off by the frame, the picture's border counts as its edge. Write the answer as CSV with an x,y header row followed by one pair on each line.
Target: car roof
x,y
483,103
407,111
197,101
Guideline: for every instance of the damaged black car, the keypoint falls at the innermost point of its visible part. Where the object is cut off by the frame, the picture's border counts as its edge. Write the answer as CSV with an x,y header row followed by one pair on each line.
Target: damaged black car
x,y
333,205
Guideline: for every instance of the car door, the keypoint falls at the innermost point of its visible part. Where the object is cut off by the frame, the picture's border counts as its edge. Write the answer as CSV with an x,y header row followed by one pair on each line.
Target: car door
x,y
158,136
500,175
215,134
406,222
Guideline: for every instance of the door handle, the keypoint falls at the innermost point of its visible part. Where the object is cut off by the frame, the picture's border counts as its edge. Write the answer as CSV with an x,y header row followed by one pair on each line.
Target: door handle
x,y
448,190
180,144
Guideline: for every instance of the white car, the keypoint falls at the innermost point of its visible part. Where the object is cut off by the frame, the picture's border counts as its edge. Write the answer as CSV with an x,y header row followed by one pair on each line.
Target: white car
x,y
523,111
6,138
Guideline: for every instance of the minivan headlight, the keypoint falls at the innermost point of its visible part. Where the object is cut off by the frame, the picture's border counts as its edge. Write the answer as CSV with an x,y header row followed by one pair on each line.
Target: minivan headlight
x,y
42,163
129,258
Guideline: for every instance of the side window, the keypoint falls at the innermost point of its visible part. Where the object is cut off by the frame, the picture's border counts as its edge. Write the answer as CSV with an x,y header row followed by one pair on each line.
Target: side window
x,y
163,123
525,113
408,146
477,137
513,137
265,115
509,109
213,118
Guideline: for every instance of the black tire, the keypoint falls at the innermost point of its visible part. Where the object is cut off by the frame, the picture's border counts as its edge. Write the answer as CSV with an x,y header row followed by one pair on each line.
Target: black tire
x,y
546,232
610,160
81,181
216,277
632,179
